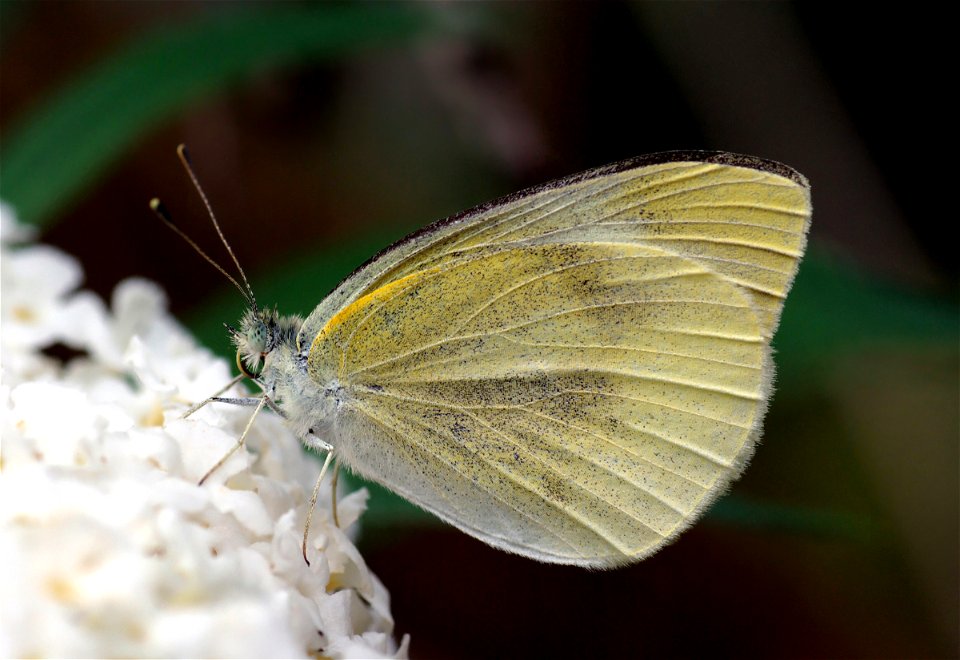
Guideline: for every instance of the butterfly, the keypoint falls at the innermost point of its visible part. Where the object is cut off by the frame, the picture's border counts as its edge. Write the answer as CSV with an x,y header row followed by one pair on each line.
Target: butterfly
x,y
571,373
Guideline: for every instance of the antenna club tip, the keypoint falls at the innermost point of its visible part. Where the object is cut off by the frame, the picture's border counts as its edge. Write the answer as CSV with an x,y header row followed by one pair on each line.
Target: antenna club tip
x,y
157,207
183,153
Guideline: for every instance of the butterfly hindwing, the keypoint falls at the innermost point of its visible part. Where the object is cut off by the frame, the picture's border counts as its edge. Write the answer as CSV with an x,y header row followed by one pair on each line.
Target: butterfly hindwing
x,y
584,386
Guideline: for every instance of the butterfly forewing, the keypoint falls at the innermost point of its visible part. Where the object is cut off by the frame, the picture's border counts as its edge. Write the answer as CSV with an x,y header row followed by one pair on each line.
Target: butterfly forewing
x,y
574,373
745,218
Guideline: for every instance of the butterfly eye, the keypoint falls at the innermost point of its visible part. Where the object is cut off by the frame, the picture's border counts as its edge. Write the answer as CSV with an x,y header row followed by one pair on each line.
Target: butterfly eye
x,y
260,335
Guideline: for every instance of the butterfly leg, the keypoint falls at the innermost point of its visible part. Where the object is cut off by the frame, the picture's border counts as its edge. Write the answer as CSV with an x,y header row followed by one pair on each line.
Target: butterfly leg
x,y
316,493
236,401
239,444
194,408
333,493
248,401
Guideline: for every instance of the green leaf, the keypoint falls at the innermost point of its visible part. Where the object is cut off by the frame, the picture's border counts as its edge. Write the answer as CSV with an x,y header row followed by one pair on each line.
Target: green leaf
x,y
62,148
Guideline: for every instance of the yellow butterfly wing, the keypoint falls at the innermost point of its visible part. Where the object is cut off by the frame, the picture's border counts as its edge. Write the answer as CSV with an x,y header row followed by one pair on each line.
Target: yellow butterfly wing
x,y
575,372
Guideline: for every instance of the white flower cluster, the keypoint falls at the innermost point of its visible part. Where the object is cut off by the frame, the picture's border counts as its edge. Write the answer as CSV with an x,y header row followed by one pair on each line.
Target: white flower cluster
x,y
108,545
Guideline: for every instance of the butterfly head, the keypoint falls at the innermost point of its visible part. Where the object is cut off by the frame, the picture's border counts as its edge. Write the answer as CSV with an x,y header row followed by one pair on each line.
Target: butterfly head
x,y
261,332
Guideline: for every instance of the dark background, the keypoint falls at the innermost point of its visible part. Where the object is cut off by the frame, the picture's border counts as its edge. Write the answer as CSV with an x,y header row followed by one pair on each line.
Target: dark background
x,y
842,537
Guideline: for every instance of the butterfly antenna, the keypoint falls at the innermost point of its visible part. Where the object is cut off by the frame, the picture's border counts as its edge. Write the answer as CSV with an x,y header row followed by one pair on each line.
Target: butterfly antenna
x,y
161,212
184,156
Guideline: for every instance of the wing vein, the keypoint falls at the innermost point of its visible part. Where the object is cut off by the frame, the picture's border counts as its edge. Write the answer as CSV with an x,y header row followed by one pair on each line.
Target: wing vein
x,y
599,436
512,478
386,427
650,402
687,191
687,173
548,273
752,206
640,222
573,310
633,349
572,196
522,408
726,241
516,444
593,372
517,212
